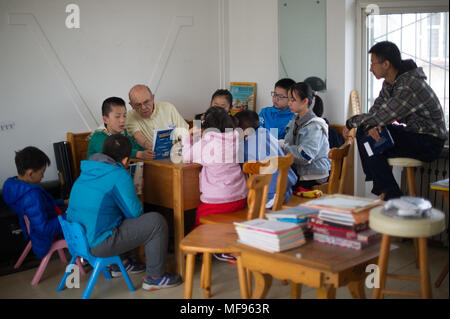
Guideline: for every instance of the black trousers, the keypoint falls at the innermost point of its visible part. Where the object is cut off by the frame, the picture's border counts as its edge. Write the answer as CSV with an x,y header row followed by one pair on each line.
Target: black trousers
x,y
423,147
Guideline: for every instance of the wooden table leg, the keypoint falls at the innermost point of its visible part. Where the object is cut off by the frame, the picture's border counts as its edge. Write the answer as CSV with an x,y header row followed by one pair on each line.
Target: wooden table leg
x,y
242,278
190,264
178,219
249,280
326,292
262,285
425,286
357,289
207,274
444,272
383,261
296,290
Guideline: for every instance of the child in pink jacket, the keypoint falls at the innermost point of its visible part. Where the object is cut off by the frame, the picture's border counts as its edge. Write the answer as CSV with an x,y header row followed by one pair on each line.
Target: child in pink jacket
x,y
222,184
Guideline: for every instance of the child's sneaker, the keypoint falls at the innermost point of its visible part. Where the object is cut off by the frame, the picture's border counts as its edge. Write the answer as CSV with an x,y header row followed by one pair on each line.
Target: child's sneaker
x,y
131,268
165,281
225,257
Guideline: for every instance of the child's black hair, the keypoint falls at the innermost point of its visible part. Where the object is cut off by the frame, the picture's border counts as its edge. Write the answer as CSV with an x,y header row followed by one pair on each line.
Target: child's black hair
x,y
219,118
285,83
117,146
110,102
318,105
30,158
303,90
386,50
247,118
225,93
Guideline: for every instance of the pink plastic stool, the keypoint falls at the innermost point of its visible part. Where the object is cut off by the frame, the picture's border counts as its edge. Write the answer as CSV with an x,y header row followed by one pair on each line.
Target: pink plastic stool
x,y
58,246
23,256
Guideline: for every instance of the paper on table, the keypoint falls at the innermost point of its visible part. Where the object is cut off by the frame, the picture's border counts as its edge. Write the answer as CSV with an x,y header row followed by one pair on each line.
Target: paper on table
x,y
346,203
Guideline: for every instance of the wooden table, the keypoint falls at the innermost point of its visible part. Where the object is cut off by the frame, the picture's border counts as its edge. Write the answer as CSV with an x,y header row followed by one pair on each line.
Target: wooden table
x,y
321,266
443,190
175,186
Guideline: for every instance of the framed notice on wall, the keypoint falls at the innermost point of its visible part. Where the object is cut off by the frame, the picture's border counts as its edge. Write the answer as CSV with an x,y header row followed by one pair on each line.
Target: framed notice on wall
x,y
244,96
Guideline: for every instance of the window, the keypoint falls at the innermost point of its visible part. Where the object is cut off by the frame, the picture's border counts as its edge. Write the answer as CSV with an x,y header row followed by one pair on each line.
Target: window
x,y
422,37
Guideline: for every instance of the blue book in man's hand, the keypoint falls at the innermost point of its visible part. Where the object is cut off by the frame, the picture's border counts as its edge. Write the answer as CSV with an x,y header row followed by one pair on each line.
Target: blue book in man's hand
x,y
377,147
162,143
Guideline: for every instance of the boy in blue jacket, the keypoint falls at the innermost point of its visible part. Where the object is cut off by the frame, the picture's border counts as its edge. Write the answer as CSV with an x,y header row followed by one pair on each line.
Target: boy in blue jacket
x,y
278,115
258,145
103,199
26,198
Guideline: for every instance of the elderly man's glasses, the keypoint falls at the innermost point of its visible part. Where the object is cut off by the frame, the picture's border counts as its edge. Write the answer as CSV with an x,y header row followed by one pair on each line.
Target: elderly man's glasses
x,y
146,103
278,96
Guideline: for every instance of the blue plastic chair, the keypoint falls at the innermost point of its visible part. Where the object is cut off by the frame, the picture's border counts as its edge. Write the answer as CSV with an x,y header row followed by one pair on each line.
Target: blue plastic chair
x,y
78,246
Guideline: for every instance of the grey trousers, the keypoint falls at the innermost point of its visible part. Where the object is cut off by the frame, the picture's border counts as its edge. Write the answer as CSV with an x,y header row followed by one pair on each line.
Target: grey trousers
x,y
149,229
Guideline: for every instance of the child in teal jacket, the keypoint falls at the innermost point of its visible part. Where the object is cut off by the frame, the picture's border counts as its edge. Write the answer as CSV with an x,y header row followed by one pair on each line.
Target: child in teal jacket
x,y
114,114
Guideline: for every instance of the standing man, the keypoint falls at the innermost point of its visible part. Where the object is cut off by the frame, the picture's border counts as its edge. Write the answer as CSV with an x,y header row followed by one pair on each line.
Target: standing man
x,y
419,130
147,115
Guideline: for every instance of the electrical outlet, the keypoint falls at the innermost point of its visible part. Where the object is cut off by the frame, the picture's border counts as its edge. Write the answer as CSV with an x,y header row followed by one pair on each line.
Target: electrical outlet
x,y
7,125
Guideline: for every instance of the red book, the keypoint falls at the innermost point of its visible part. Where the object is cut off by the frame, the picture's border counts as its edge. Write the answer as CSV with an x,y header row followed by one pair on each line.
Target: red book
x,y
354,227
368,236
333,231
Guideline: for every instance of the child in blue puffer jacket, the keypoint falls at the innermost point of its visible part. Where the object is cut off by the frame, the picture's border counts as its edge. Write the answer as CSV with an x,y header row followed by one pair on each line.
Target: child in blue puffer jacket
x,y
26,198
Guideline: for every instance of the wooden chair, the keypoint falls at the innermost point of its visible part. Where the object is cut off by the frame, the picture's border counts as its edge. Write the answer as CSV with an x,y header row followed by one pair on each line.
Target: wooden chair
x,y
337,179
218,238
268,166
78,143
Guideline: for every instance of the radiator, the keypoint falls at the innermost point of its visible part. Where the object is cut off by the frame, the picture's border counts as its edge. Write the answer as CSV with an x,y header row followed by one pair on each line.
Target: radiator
x,y
425,175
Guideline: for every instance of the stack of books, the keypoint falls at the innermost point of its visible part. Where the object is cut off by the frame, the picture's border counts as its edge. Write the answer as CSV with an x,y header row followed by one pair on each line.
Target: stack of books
x,y
270,235
343,221
298,215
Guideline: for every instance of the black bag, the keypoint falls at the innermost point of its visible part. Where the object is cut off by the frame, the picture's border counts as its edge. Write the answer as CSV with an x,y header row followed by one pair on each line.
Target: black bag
x,y
64,166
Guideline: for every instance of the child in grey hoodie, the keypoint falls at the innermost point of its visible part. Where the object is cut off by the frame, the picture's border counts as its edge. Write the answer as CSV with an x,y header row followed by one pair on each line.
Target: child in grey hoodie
x,y
307,138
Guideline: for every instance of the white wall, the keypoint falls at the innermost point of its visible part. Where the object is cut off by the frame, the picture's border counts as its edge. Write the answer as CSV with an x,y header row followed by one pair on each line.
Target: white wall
x,y
54,79
253,50
340,59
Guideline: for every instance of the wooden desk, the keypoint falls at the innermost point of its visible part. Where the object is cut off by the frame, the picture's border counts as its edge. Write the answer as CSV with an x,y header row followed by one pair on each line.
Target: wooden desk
x,y
174,186
321,266
443,190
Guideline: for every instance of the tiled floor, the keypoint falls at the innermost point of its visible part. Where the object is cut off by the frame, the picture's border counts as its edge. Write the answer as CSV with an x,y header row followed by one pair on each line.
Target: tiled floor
x,y
224,281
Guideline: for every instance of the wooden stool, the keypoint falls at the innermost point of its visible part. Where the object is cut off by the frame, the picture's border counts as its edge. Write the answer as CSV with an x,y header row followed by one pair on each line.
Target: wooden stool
x,y
207,239
409,164
409,228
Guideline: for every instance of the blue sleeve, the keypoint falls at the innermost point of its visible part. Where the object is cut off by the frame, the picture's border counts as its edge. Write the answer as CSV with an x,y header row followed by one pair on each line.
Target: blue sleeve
x,y
262,118
41,221
125,196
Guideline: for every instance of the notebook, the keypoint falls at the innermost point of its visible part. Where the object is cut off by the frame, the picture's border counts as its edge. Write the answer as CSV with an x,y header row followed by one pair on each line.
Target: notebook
x,y
377,147
162,143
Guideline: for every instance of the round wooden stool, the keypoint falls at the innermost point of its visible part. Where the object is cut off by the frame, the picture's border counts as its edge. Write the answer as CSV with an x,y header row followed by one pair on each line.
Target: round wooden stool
x,y
206,239
409,164
409,228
